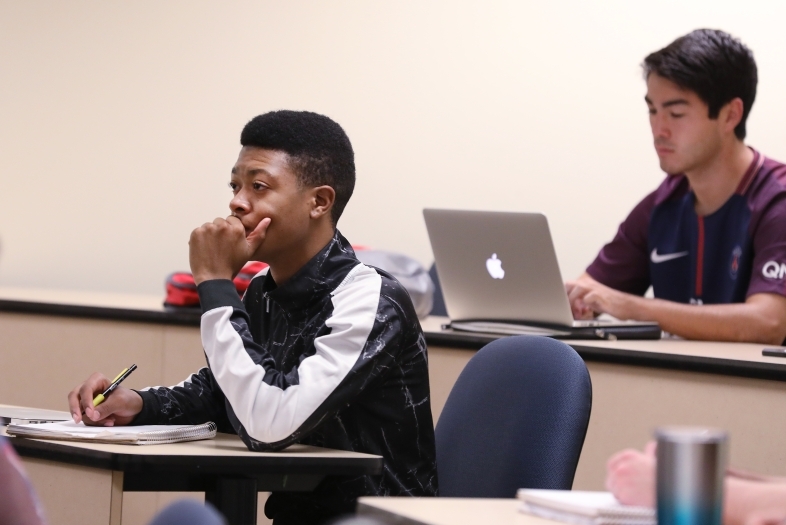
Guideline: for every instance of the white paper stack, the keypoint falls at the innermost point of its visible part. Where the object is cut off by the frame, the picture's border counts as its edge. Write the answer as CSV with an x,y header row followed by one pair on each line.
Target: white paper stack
x,y
136,435
583,508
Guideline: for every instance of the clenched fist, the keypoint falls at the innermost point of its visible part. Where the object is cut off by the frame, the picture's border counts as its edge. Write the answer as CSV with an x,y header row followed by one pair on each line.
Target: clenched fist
x,y
219,249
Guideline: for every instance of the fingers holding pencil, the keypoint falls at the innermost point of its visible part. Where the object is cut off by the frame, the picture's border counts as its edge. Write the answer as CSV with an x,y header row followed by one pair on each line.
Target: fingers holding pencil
x,y
92,403
80,399
119,409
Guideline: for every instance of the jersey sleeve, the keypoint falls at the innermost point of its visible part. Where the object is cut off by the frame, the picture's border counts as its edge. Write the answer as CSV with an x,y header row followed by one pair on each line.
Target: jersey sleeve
x,y
196,400
623,264
768,273
275,408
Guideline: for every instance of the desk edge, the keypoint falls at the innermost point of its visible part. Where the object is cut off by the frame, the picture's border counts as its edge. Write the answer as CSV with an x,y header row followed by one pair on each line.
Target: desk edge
x,y
197,464
689,363
183,317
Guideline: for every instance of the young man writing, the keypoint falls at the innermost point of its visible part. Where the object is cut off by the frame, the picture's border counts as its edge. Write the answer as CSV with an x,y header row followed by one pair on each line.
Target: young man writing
x,y
321,350
711,239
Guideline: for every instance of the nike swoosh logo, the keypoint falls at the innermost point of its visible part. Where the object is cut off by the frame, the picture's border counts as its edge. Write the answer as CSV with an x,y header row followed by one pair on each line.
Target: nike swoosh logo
x,y
663,257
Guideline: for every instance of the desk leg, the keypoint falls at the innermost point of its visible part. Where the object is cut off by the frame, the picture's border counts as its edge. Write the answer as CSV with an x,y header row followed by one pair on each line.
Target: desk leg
x,y
236,499
116,498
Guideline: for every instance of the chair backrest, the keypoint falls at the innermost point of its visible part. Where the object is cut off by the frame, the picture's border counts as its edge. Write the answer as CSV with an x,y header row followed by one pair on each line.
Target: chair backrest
x,y
516,418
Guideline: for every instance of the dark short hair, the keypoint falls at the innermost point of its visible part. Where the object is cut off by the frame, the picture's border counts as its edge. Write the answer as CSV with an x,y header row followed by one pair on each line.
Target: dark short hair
x,y
319,151
714,65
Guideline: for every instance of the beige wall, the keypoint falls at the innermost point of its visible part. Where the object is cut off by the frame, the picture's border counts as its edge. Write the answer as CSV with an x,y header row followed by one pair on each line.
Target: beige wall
x,y
119,121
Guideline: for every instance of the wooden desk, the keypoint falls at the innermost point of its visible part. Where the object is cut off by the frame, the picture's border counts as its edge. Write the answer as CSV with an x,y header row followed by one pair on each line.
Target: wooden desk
x,y
637,385
447,511
84,482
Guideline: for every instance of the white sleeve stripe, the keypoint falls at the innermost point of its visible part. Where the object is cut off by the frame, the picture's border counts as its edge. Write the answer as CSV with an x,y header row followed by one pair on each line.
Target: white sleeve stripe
x,y
188,379
261,273
179,385
268,413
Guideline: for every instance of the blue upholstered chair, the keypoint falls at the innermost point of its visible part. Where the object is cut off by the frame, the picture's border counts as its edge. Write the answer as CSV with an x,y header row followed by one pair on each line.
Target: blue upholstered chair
x,y
516,418
188,512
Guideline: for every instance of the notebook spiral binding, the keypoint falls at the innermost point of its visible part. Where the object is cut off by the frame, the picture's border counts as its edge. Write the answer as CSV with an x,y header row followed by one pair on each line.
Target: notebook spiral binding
x,y
193,433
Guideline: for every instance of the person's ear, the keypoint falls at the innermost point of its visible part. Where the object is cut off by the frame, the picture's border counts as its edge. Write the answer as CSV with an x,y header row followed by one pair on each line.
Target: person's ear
x,y
732,114
322,201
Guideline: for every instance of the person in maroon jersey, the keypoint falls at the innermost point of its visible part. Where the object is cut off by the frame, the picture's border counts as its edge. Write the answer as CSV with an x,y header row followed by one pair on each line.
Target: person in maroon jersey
x,y
711,239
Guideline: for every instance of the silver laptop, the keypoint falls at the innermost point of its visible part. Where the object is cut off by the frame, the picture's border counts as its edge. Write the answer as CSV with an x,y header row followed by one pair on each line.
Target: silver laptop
x,y
499,271
22,415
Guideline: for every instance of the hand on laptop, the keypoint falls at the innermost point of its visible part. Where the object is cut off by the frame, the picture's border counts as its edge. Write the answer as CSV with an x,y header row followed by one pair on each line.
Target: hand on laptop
x,y
578,307
588,298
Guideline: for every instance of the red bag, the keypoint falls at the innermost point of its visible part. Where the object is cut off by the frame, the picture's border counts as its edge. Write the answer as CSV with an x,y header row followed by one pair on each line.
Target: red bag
x,y
181,289
247,273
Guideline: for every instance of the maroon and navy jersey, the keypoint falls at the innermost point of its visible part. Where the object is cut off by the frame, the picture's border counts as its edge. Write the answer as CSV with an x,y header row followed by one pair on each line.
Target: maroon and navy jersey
x,y
724,257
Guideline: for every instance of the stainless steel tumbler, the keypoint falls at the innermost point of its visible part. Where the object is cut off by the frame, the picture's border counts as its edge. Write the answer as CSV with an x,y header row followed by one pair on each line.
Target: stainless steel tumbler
x,y
691,466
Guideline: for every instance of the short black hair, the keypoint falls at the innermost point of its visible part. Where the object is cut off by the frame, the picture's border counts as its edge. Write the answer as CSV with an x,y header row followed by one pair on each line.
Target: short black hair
x,y
714,65
319,151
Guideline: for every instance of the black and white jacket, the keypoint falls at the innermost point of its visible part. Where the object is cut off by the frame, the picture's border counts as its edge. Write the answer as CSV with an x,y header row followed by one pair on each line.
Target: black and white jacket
x,y
334,358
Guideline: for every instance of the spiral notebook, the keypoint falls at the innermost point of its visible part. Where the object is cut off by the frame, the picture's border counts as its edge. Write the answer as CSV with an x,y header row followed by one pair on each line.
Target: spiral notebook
x,y
583,508
132,435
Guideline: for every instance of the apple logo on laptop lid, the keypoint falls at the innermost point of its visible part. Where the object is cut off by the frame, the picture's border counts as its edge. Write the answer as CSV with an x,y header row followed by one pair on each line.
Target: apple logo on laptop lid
x,y
494,267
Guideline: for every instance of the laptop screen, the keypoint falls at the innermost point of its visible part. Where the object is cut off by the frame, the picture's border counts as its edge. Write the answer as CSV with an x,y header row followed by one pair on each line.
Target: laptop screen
x,y
497,266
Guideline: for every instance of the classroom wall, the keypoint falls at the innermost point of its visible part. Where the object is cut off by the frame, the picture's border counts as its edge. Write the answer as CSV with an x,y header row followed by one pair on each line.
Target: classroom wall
x,y
119,121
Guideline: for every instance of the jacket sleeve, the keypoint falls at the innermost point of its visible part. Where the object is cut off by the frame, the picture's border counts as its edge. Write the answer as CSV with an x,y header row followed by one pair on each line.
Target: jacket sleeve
x,y
276,408
196,400
768,274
